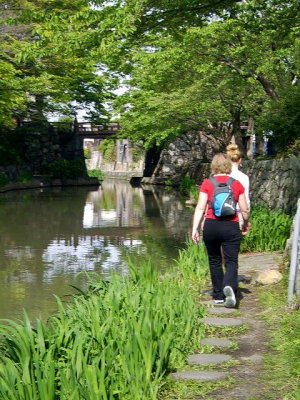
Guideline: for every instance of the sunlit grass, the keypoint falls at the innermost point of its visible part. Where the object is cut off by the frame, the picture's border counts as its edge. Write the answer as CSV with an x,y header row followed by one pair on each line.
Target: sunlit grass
x,y
269,230
282,363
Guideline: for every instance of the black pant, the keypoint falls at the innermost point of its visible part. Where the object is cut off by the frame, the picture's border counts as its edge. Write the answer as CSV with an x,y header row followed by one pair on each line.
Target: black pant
x,y
219,234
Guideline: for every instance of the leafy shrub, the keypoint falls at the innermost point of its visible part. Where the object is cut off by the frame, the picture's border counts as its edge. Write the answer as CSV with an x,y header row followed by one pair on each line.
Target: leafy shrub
x,y
189,188
64,169
3,179
87,153
269,230
137,153
95,173
24,177
108,150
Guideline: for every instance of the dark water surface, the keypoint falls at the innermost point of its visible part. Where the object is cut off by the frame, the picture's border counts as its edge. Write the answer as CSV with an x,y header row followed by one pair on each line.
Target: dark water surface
x,y
48,236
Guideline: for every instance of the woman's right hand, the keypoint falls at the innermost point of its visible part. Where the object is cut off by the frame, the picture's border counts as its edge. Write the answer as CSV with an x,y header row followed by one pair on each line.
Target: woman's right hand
x,y
246,228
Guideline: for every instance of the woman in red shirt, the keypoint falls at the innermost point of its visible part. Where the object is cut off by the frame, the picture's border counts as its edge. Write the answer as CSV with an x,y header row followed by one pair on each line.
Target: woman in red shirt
x,y
221,234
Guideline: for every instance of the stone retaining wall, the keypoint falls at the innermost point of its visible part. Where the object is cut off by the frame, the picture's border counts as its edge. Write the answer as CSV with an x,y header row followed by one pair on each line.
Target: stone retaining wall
x,y
47,182
273,183
41,146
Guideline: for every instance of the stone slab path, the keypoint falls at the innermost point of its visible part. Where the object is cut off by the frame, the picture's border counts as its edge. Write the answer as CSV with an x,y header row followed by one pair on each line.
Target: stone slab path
x,y
220,310
208,359
199,376
251,345
221,322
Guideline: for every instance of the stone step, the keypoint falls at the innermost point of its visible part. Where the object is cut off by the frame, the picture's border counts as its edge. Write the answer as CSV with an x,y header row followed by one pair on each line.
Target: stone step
x,y
216,342
199,376
221,322
211,303
220,310
208,359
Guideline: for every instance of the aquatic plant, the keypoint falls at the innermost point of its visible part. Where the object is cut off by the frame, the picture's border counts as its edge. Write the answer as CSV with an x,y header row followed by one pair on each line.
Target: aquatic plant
x,y
117,340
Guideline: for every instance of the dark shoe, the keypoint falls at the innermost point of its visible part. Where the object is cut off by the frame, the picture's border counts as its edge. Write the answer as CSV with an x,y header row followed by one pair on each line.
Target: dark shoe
x,y
230,300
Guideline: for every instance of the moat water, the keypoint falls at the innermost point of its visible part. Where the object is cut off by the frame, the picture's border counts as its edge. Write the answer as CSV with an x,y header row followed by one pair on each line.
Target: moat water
x,y
48,237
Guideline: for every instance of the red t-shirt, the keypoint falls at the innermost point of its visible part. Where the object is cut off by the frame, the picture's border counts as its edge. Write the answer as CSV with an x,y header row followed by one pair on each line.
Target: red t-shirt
x,y
208,187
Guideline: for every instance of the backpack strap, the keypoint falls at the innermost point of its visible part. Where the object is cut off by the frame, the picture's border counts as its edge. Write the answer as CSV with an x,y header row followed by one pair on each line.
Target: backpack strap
x,y
214,181
230,181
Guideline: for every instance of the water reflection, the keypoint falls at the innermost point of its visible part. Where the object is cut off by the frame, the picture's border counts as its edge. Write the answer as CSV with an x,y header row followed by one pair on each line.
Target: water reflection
x,y
47,237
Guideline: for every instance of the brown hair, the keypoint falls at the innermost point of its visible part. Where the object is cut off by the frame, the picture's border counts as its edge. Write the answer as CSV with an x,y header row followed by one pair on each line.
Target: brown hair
x,y
233,152
221,164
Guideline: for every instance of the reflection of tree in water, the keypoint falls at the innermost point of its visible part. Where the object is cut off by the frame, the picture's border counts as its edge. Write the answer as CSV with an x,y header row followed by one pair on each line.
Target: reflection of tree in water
x,y
37,218
45,238
127,202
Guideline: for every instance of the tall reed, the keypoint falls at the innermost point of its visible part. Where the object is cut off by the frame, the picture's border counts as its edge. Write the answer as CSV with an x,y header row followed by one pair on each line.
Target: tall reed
x,y
269,230
116,341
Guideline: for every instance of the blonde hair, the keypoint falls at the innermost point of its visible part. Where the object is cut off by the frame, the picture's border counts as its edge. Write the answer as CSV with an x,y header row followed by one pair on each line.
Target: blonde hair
x,y
233,152
221,164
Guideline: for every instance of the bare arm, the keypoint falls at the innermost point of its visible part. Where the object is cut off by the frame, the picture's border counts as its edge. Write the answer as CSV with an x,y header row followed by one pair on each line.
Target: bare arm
x,y
245,213
198,215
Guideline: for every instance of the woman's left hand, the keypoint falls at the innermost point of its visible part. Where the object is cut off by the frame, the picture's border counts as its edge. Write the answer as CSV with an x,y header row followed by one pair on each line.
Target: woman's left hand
x,y
195,237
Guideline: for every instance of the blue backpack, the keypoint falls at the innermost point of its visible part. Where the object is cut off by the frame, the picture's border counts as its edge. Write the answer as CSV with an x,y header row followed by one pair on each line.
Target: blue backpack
x,y
223,202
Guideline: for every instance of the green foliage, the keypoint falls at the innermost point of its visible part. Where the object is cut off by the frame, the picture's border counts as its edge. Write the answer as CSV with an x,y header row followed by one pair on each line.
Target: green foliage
x,y
108,149
3,179
188,187
293,150
215,72
282,118
95,173
282,369
193,262
12,147
187,70
269,230
47,62
169,182
24,177
138,153
87,153
138,327
65,169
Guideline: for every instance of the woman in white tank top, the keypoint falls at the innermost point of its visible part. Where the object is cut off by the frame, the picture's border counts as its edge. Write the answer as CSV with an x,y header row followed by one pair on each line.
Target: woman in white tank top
x,y
235,156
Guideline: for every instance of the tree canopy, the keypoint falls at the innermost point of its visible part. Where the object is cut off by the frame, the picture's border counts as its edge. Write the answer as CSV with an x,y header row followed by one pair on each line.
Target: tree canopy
x,y
234,66
205,65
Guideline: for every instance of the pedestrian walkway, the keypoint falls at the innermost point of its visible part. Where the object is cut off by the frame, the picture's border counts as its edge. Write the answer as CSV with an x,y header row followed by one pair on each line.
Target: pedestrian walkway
x,y
250,342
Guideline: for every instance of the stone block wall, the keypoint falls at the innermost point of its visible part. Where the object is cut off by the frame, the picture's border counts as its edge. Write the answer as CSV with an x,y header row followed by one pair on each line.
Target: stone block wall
x,y
41,146
274,184
124,165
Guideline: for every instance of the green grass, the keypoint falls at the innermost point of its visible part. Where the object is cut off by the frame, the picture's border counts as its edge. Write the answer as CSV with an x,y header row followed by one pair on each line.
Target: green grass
x,y
118,340
282,363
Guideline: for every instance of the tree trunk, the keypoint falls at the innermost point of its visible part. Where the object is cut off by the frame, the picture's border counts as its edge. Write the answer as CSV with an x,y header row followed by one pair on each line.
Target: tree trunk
x,y
236,129
268,88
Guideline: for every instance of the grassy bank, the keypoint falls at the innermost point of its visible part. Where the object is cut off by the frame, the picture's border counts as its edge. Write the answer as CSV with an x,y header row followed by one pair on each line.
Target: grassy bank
x,y
282,364
116,341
